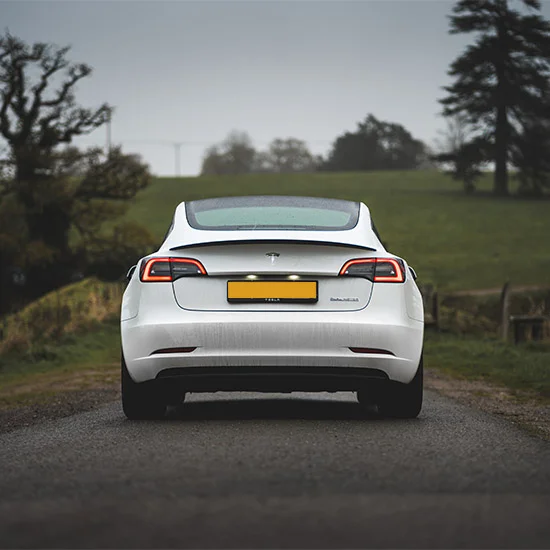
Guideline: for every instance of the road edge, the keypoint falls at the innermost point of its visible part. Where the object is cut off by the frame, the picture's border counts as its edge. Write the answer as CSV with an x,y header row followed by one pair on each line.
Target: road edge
x,y
523,408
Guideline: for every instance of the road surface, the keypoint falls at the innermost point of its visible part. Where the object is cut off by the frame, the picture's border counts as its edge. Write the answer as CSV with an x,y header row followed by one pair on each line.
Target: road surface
x,y
253,470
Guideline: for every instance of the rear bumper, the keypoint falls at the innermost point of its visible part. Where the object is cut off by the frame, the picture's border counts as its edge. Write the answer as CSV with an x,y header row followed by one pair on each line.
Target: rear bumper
x,y
278,340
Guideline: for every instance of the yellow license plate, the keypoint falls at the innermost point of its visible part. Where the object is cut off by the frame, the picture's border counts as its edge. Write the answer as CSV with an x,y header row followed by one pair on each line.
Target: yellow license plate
x,y
272,291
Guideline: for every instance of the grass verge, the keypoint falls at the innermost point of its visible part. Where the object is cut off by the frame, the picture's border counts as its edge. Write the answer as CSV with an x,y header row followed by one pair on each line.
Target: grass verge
x,y
80,361
520,368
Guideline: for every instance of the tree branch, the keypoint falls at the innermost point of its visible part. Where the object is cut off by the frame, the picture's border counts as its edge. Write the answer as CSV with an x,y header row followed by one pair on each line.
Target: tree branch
x,y
50,65
76,73
5,127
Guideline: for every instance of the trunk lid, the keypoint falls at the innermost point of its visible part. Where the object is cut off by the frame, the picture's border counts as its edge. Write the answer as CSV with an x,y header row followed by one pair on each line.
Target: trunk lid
x,y
272,261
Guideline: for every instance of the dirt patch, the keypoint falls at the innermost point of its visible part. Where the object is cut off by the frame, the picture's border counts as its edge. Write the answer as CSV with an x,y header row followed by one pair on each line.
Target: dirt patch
x,y
60,405
57,394
520,407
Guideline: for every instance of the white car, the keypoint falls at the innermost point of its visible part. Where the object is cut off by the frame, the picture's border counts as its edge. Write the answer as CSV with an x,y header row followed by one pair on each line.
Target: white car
x,y
272,294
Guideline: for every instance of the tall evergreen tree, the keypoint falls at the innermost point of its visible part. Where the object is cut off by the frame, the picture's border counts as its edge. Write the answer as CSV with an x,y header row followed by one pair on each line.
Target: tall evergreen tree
x,y
502,79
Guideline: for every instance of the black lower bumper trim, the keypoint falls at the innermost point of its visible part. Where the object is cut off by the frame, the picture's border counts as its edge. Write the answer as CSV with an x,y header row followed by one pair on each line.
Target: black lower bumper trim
x,y
275,379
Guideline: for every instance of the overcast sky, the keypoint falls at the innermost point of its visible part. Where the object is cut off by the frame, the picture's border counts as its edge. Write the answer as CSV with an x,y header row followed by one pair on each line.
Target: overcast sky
x,y
193,71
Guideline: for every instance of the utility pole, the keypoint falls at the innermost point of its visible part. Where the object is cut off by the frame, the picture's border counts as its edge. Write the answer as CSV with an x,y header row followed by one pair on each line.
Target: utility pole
x,y
177,148
108,145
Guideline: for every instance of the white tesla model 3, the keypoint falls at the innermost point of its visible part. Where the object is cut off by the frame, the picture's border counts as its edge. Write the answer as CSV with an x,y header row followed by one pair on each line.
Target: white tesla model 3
x,y
273,294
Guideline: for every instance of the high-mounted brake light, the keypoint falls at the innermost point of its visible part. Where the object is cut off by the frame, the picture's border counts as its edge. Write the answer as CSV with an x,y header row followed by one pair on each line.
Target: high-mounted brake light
x,y
157,270
378,270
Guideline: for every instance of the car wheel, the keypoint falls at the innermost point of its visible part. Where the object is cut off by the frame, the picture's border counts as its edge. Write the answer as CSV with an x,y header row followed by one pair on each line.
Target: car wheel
x,y
140,401
403,400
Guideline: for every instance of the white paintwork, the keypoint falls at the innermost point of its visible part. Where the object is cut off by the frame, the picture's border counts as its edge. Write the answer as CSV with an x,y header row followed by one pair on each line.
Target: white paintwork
x,y
194,312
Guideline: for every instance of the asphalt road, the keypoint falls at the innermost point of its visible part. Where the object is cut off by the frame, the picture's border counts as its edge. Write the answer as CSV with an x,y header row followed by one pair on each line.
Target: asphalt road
x,y
246,470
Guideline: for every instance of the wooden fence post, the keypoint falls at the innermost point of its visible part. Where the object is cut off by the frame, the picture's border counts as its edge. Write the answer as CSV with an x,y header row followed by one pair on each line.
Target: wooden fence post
x,y
505,310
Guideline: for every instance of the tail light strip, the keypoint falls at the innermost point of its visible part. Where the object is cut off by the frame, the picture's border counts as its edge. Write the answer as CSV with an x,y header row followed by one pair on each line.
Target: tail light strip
x,y
377,265
156,270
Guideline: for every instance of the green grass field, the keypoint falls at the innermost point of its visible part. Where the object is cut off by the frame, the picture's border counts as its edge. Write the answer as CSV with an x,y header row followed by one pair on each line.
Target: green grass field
x,y
452,240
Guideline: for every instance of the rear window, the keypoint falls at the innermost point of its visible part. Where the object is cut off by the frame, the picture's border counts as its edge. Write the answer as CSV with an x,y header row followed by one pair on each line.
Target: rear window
x,y
272,213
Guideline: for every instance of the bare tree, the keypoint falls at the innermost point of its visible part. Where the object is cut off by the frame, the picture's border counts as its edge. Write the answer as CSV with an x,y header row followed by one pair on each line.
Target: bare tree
x,y
456,134
38,110
462,150
60,196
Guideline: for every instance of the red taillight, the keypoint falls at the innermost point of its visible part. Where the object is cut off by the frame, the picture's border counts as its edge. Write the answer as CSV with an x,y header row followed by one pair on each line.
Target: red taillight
x,y
378,270
157,270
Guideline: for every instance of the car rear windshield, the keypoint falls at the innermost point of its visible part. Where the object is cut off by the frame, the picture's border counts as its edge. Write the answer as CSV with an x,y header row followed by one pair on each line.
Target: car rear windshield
x,y
272,213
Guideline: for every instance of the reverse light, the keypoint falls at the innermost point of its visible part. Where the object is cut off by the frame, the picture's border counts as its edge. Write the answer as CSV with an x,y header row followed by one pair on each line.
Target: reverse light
x,y
157,270
378,270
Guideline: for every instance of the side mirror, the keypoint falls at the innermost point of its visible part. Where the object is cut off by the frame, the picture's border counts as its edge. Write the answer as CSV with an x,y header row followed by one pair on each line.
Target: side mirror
x,y
413,273
130,272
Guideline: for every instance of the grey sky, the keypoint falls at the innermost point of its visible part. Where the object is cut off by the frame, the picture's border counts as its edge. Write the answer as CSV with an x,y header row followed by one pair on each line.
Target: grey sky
x,y
193,71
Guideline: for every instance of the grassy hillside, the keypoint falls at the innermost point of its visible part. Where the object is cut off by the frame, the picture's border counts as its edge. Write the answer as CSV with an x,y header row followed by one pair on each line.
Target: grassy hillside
x,y
454,241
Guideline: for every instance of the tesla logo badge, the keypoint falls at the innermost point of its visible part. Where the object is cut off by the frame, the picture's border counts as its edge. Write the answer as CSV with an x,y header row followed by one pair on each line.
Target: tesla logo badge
x,y
272,256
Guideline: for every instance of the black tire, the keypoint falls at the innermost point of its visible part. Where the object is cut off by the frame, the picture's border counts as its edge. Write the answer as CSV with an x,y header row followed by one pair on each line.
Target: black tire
x,y
140,401
403,400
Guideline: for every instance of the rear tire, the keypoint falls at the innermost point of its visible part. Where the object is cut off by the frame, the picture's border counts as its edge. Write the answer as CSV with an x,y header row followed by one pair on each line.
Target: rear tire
x,y
403,400
140,401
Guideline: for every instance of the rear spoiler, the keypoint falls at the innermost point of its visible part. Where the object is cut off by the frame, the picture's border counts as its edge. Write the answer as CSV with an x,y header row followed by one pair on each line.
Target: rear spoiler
x,y
272,241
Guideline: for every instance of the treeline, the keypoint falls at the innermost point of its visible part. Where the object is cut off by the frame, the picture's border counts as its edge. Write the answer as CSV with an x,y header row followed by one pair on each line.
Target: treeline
x,y
375,145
